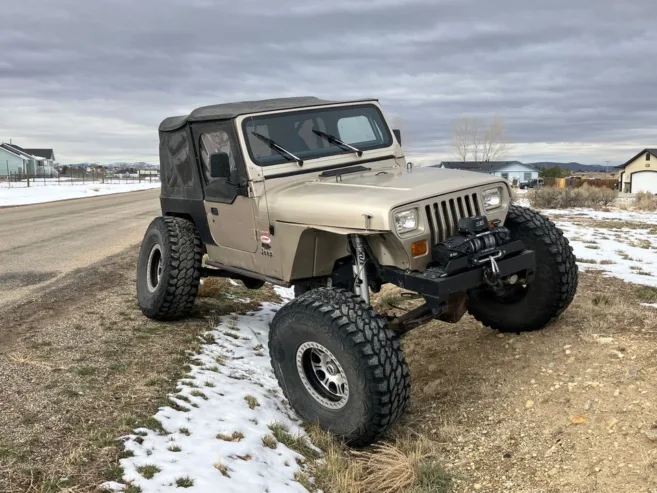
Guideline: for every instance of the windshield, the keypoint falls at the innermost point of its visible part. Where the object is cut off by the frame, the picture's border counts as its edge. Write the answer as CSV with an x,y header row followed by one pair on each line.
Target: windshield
x,y
300,133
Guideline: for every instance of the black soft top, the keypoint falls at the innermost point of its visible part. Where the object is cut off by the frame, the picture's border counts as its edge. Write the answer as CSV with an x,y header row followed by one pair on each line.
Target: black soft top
x,y
231,110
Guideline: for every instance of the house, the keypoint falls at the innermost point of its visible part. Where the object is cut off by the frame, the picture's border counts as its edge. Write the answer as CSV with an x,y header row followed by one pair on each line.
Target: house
x,y
36,162
48,155
512,171
14,160
639,174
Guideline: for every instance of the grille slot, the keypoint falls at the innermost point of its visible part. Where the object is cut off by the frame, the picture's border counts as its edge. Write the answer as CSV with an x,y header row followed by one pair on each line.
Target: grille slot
x,y
443,216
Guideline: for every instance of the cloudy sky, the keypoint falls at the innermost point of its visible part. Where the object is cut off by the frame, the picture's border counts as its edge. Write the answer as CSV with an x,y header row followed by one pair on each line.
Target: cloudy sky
x,y
573,79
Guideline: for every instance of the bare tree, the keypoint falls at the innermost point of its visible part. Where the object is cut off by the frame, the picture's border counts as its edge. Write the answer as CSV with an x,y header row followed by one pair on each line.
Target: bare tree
x,y
472,142
495,145
463,131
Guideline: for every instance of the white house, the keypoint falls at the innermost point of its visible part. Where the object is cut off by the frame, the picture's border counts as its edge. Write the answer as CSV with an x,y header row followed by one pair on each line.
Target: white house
x,y
639,174
512,171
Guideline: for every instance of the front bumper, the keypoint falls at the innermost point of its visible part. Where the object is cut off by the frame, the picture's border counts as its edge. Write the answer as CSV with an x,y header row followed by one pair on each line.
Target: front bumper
x,y
437,288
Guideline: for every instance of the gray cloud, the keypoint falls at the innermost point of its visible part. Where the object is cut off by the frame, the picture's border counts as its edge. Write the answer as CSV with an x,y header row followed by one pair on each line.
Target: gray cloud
x,y
573,80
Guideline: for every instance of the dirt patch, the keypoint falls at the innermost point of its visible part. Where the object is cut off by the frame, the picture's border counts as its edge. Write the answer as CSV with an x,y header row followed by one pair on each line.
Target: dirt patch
x,y
567,409
81,366
14,280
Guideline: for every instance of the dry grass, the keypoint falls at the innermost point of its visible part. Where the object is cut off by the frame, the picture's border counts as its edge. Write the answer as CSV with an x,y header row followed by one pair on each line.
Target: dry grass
x,y
645,201
269,441
565,198
251,401
646,294
236,436
298,443
222,468
97,369
407,465
184,482
148,471
404,464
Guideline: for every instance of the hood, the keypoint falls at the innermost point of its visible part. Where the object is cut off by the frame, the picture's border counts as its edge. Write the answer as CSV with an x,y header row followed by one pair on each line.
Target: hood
x,y
331,202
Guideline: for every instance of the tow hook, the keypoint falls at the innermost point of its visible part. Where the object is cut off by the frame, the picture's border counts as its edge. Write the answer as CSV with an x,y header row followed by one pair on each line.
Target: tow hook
x,y
492,275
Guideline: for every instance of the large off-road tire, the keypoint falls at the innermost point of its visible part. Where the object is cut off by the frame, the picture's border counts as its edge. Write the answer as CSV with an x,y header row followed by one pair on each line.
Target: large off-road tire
x,y
339,365
531,307
169,268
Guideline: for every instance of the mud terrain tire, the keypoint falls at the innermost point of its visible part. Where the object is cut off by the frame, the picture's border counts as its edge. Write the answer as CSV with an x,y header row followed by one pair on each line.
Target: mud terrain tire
x,y
366,353
169,268
551,290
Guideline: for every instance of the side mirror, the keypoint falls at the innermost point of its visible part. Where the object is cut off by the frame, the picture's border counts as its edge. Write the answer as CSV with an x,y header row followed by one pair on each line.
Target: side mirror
x,y
219,165
397,133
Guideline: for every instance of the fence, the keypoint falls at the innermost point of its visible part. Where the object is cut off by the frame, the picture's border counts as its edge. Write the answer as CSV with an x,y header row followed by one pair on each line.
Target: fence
x,y
75,176
577,182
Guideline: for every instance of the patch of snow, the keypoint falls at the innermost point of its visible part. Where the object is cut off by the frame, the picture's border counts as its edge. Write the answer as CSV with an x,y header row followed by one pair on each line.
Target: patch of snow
x,y
113,486
39,193
241,356
614,251
651,305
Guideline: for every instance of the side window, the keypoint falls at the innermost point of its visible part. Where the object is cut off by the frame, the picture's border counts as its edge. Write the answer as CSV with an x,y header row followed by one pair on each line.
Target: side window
x,y
528,176
505,176
356,129
217,141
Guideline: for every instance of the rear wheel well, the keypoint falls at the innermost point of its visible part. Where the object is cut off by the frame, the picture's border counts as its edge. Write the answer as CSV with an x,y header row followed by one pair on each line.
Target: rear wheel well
x,y
190,218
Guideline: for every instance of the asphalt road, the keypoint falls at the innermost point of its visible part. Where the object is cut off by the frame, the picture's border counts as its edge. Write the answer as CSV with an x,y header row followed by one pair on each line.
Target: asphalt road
x,y
40,244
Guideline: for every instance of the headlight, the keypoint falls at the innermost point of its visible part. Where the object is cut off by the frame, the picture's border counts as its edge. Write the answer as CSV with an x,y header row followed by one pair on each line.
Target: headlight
x,y
492,198
406,221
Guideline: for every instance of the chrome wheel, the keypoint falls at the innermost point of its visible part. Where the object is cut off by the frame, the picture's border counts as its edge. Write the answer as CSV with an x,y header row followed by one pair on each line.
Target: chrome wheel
x,y
322,375
154,268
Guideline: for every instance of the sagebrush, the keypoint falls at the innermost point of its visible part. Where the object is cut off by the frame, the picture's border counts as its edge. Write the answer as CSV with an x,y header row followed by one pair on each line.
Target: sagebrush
x,y
564,198
645,201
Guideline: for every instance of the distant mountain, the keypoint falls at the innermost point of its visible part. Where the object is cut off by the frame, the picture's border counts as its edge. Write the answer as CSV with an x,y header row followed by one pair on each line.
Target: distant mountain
x,y
590,168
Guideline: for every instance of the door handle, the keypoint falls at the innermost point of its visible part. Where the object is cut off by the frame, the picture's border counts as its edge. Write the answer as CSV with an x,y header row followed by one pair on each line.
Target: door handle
x,y
214,211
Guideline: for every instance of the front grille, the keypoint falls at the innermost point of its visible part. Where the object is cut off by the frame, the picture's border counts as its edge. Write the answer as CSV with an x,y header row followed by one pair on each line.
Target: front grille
x,y
443,216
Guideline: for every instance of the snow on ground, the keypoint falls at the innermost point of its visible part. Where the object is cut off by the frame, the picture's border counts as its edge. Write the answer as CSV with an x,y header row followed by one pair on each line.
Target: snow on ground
x,y
649,218
629,253
226,374
39,193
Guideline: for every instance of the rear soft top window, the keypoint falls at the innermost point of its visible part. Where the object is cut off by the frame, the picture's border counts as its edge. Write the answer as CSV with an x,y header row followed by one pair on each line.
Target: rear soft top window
x,y
300,133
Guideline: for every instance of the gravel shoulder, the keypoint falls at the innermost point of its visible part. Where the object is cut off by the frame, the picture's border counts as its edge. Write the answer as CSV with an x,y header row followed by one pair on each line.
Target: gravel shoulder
x,y
80,366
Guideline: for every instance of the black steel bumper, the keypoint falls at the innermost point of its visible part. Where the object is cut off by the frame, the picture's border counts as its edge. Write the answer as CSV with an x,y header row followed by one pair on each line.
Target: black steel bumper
x,y
434,284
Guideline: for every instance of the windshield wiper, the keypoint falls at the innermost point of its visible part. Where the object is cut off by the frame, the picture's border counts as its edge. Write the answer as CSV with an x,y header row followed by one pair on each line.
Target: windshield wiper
x,y
334,140
283,152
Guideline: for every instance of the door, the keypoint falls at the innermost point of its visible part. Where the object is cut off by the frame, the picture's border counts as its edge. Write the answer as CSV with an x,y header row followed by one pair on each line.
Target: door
x,y
644,181
229,208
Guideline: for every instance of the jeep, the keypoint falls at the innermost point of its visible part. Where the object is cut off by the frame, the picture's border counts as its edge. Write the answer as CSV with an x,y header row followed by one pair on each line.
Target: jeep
x,y
318,195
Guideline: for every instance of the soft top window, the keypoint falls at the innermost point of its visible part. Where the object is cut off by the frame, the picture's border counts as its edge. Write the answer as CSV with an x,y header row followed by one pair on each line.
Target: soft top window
x,y
361,126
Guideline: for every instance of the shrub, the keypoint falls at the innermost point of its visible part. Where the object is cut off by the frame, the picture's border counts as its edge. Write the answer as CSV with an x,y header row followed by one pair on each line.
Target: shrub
x,y
645,201
563,198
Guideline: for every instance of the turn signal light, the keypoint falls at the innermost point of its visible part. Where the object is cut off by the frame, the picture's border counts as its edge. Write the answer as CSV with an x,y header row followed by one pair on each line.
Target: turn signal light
x,y
419,248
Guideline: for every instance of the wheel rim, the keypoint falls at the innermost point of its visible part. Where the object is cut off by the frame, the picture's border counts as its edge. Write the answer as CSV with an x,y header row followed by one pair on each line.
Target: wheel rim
x,y
154,268
322,375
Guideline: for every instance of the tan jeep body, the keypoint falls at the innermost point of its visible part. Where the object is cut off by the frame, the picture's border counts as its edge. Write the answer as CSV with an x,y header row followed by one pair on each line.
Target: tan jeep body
x,y
292,223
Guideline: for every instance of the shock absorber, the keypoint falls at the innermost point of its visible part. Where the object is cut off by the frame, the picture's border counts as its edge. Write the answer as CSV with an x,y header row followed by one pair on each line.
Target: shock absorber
x,y
361,283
